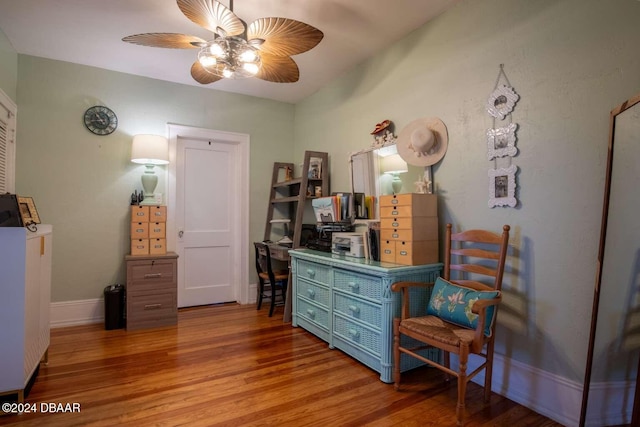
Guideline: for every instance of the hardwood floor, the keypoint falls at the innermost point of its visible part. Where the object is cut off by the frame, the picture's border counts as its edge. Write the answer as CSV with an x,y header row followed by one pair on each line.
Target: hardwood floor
x,y
232,365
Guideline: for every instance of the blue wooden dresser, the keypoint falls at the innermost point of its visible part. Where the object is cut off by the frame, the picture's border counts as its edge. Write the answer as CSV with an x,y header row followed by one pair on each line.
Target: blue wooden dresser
x,y
348,303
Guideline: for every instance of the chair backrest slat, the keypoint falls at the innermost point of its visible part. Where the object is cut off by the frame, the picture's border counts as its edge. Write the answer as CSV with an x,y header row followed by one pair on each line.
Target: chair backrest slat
x,y
476,244
473,268
476,253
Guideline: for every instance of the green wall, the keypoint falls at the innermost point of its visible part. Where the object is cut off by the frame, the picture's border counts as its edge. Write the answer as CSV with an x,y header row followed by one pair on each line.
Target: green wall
x,y
571,62
81,182
8,67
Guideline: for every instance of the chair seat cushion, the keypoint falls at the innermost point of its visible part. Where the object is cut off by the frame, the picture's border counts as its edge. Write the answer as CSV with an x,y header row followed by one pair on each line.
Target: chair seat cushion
x,y
453,303
439,330
279,275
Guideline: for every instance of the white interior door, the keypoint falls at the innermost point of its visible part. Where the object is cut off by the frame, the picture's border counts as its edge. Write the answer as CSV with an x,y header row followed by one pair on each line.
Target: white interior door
x,y
209,242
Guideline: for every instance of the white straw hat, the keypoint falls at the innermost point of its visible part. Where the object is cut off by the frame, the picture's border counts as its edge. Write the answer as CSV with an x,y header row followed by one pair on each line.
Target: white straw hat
x,y
423,142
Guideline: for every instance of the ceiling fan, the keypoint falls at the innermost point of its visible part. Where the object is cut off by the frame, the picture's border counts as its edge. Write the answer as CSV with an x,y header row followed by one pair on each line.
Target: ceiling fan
x,y
263,49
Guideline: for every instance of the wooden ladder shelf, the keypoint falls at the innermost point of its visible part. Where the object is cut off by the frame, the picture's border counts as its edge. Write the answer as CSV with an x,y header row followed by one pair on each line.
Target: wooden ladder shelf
x,y
288,197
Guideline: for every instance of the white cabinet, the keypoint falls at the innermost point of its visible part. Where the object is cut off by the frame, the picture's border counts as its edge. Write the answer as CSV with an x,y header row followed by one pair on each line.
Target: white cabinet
x,y
25,294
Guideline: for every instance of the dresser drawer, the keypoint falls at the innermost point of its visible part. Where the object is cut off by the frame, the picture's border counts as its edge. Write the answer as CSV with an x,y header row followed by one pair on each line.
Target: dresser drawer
x,y
151,309
352,307
421,204
312,313
425,229
396,211
358,284
313,292
356,334
317,272
150,275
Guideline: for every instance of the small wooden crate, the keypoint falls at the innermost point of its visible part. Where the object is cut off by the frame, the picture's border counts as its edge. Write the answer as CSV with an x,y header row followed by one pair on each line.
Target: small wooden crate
x,y
139,213
157,230
139,230
139,246
157,214
157,246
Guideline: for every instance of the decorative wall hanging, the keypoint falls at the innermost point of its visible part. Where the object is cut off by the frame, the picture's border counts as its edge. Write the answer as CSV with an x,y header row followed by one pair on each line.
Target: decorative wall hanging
x,y
501,143
383,134
502,187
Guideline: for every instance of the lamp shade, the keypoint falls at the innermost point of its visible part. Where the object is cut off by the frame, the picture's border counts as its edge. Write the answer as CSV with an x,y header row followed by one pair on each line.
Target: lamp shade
x,y
394,164
150,150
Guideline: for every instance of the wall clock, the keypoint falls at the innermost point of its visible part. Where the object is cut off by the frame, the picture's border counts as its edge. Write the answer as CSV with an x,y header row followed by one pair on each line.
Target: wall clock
x,y
100,120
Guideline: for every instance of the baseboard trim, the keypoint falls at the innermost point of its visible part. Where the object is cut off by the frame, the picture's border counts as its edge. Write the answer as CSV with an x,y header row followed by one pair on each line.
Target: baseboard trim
x,y
548,394
80,312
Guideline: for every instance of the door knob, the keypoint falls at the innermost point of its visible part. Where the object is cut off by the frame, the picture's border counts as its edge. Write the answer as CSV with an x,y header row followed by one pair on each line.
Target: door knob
x,y
180,233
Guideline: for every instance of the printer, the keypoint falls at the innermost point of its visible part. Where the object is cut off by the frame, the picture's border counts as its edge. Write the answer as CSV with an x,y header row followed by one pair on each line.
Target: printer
x,y
348,244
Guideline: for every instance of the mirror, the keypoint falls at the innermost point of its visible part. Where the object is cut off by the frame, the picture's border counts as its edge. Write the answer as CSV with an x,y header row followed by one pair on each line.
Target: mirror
x,y
614,339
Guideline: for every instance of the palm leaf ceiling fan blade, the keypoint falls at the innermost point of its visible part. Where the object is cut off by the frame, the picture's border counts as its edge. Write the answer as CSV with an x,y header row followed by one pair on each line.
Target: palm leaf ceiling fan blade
x,y
278,69
212,15
201,75
168,40
283,36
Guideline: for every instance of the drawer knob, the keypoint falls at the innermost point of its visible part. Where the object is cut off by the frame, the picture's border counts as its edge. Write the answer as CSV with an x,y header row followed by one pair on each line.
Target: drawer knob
x,y
153,275
311,273
311,293
354,333
354,309
353,286
152,306
311,313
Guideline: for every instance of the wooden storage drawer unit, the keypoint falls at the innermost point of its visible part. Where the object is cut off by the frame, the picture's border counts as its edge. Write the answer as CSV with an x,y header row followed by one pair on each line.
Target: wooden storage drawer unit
x,y
157,214
157,246
421,204
139,230
139,213
151,290
157,230
139,246
409,229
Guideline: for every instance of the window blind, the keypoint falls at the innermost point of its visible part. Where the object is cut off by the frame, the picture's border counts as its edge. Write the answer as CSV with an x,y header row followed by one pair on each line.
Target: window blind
x,y
7,143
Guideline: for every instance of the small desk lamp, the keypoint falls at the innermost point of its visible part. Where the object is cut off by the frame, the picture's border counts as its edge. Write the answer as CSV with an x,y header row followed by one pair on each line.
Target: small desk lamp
x,y
394,165
150,150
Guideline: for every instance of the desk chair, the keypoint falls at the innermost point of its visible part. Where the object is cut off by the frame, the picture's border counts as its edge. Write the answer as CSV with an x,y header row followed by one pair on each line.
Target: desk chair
x,y
461,313
276,279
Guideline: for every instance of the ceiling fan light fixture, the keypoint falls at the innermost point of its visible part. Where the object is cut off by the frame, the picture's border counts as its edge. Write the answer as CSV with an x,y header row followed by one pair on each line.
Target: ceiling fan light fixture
x,y
262,49
251,67
230,57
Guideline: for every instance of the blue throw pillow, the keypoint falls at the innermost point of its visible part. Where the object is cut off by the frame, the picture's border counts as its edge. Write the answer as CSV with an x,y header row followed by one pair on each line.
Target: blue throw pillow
x,y
453,303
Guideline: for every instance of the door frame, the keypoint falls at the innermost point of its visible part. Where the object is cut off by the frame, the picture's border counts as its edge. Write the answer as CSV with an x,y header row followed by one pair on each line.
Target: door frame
x,y
242,143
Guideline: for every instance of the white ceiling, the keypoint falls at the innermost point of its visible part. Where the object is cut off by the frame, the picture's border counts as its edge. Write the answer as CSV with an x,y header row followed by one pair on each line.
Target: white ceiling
x,y
90,32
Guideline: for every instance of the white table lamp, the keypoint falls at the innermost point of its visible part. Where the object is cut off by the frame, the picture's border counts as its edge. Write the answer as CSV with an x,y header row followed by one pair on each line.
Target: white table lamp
x,y
149,150
394,165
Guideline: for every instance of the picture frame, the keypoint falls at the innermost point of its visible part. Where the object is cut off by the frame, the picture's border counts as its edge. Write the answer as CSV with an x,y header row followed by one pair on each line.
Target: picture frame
x,y
501,142
315,168
28,211
502,187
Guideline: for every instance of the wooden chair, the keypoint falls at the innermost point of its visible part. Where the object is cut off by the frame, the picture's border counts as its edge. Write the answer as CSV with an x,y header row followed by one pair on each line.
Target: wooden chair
x,y
276,279
474,304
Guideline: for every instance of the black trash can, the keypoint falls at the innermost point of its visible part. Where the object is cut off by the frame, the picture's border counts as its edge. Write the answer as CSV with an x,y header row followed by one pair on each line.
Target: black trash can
x,y
114,307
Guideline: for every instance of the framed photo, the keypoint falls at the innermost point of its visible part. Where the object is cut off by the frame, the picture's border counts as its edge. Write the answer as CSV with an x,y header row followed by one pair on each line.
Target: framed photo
x,y
502,187
28,211
501,142
315,168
